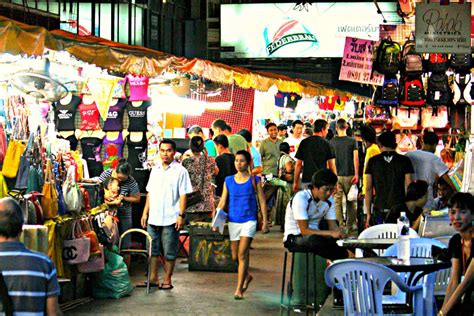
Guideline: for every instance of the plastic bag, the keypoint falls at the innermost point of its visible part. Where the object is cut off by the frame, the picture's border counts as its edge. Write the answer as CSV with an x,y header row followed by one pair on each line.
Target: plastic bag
x,y
353,193
113,281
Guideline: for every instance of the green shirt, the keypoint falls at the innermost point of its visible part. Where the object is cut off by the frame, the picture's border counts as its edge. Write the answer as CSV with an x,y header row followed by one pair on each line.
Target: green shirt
x,y
211,148
237,142
270,152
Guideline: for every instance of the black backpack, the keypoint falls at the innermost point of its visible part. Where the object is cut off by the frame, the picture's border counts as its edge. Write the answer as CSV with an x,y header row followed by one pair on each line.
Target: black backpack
x,y
461,61
387,94
438,90
387,57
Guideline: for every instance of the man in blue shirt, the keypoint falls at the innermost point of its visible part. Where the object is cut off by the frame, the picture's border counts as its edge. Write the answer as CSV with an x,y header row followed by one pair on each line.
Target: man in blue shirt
x,y
29,276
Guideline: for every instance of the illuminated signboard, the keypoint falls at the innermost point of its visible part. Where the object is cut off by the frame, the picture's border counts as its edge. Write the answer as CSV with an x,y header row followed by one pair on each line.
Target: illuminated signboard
x,y
277,30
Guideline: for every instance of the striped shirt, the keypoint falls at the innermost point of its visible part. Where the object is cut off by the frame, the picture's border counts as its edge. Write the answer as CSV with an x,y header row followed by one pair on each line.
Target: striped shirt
x,y
30,278
127,188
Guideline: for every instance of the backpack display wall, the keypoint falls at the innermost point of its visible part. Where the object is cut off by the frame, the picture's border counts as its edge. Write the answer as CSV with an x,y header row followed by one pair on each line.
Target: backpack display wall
x,y
414,80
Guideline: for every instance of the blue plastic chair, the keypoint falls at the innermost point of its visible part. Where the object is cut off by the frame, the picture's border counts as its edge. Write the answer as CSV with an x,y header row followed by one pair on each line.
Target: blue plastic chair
x,y
362,284
421,247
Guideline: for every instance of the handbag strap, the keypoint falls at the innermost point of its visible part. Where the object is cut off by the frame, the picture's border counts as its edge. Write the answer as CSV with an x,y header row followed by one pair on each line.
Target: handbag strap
x,y
6,299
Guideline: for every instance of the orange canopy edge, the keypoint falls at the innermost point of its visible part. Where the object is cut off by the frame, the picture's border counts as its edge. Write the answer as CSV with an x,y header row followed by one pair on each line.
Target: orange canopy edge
x,y
19,38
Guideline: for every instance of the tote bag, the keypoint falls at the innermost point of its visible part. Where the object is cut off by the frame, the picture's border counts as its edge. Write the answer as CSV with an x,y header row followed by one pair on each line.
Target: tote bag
x,y
11,163
71,192
49,201
77,249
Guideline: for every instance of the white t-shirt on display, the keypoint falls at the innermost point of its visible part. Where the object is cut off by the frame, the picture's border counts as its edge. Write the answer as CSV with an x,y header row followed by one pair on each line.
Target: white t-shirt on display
x,y
164,188
298,209
427,167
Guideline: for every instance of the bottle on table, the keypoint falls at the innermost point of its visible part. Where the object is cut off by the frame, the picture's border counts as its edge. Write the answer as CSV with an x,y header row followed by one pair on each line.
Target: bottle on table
x,y
403,250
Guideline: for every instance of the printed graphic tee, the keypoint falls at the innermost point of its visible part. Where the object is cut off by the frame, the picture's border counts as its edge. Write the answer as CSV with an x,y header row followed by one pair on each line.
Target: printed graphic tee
x,y
65,114
89,116
114,121
138,88
137,116
137,158
112,151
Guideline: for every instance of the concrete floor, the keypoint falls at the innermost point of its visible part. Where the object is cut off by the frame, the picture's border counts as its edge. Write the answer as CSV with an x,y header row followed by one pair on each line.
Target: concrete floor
x,y
206,293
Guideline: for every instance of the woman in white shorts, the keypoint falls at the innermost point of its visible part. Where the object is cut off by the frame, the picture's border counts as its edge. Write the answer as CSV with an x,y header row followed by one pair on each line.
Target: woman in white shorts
x,y
240,195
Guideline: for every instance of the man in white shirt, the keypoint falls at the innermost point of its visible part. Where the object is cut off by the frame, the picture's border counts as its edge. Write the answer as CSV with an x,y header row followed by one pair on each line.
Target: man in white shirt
x,y
295,137
303,216
164,211
427,165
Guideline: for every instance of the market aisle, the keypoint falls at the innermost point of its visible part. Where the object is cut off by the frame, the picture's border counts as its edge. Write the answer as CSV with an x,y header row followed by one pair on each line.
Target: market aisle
x,y
207,293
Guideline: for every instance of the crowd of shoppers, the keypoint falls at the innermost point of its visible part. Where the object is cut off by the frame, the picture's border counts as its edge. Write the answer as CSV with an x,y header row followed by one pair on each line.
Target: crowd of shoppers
x,y
312,205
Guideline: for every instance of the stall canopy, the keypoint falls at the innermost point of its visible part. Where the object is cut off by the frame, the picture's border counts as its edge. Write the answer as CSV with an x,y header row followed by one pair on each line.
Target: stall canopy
x,y
20,38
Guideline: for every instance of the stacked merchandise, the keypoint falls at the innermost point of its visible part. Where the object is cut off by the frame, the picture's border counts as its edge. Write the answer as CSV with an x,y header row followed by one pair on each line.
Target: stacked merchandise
x,y
421,91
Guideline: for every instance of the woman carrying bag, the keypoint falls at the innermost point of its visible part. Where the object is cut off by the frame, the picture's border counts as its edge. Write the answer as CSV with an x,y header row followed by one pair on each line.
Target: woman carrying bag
x,y
201,169
240,196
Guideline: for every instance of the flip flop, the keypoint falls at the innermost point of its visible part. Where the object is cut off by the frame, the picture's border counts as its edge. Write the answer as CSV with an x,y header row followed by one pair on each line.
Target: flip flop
x,y
145,283
166,287
238,297
247,282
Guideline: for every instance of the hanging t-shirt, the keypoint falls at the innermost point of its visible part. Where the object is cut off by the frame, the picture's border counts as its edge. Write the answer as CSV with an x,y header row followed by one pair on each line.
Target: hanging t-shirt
x,y
114,121
65,113
137,116
280,99
292,100
89,116
112,151
137,158
91,153
138,88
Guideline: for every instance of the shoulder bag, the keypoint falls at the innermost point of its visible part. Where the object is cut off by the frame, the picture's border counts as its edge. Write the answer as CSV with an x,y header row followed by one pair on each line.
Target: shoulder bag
x,y
49,201
77,249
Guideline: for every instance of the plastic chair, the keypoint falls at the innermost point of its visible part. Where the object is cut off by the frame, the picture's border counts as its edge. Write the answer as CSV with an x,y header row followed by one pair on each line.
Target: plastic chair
x,y
421,247
137,251
362,284
381,231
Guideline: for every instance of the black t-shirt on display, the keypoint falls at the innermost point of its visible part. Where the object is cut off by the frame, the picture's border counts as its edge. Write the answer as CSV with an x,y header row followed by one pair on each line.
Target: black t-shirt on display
x,y
344,148
64,114
388,172
394,214
91,153
137,116
225,163
137,155
315,151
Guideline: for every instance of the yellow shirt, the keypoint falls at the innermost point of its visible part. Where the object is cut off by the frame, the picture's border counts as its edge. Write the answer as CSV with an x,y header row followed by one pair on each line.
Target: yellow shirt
x,y
373,150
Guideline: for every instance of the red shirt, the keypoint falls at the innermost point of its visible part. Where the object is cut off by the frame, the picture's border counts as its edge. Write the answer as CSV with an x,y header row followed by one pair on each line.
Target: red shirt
x,y
89,116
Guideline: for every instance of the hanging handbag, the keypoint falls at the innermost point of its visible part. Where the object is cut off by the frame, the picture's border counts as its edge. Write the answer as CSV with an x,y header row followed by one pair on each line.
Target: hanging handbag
x,y
77,249
71,192
87,231
34,183
49,201
436,117
96,263
11,163
3,143
24,169
3,187
196,197
405,118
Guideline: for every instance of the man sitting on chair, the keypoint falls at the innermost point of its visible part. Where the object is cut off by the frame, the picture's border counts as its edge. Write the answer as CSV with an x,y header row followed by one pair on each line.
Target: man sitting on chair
x,y
303,218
